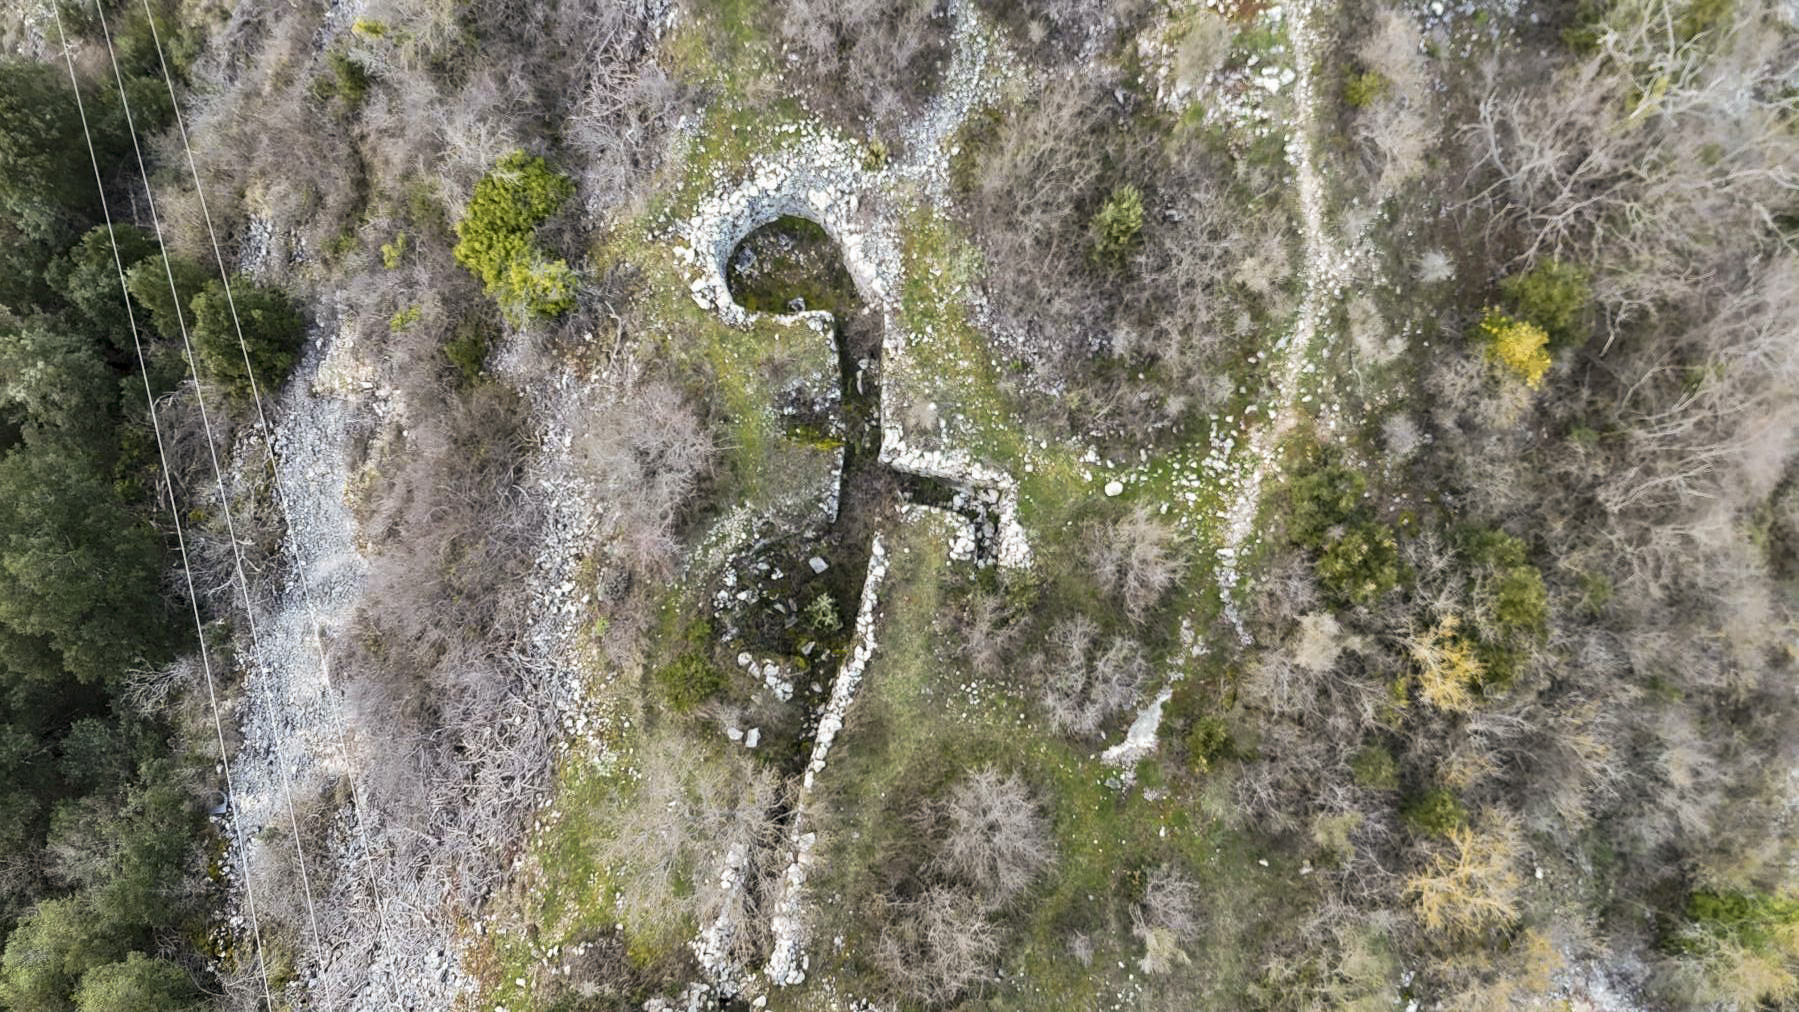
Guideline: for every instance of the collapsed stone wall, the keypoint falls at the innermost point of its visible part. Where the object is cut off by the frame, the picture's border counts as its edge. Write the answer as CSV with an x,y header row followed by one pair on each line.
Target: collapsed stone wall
x,y
826,178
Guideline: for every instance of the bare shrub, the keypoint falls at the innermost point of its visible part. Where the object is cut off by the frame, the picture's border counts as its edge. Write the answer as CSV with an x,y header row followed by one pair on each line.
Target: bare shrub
x,y
937,946
1298,674
1033,179
995,839
987,630
626,106
1170,901
1204,46
1028,189
645,451
262,146
1116,682
1190,257
678,816
1136,559
1400,436
1399,126
1678,177
1081,688
1320,642
939,936
863,61
1068,31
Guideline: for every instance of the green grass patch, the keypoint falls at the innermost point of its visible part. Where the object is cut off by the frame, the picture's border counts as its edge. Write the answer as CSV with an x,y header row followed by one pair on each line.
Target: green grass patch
x,y
915,728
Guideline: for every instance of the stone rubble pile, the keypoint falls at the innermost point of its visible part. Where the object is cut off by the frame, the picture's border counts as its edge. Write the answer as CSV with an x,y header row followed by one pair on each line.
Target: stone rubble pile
x,y
296,736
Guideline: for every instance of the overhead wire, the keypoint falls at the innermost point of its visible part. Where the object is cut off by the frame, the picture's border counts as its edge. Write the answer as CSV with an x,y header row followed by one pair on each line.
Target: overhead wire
x,y
168,482
218,469
266,431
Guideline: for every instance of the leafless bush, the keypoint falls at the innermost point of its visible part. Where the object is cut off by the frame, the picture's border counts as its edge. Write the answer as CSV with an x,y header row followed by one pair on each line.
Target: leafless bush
x,y
262,145
1082,687
241,980
596,971
994,837
1067,31
626,106
1656,186
1170,901
986,632
1136,558
863,60
1034,178
1728,435
448,728
1080,946
1167,917
1399,124
679,816
937,946
1286,591
276,869
1029,188
645,452
151,690
939,936
1198,245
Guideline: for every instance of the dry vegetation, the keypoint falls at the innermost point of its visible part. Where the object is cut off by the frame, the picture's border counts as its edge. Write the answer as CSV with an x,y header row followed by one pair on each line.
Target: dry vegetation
x,y
1515,705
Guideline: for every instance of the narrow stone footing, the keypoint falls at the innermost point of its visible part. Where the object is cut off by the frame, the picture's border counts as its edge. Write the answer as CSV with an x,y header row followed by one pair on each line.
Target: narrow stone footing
x,y
786,963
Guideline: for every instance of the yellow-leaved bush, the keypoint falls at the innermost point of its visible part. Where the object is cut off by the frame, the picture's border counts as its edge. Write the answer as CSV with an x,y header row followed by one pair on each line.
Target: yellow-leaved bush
x,y
1448,670
1520,346
1471,886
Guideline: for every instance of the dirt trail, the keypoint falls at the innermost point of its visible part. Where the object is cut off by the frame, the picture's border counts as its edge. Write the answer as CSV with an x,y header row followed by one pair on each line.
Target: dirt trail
x,y
1325,268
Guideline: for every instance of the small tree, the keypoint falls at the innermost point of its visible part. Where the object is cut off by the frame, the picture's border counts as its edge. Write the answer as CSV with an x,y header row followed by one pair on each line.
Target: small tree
x,y
47,952
1554,296
822,615
40,139
78,572
88,277
1362,88
1436,811
1361,564
1373,767
1208,742
689,680
168,310
1319,498
497,238
1117,223
272,335
1739,950
138,984
57,380
1511,593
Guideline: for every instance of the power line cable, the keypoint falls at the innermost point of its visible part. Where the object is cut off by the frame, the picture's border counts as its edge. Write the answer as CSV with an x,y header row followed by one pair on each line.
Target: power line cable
x,y
218,469
266,431
187,571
